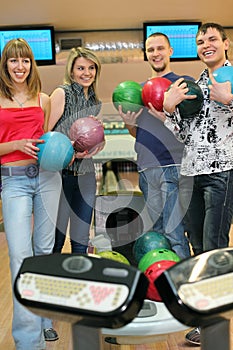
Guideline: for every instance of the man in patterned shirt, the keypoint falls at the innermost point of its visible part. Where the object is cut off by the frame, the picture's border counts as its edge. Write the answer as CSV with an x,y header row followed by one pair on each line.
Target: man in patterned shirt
x,y
207,164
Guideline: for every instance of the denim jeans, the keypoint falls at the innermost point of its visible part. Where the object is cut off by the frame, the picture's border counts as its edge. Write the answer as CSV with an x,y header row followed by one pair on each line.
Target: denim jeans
x,y
76,204
160,187
210,211
21,197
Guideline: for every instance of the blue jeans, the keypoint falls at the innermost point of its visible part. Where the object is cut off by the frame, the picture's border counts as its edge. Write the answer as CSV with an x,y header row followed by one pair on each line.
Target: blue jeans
x,y
21,197
210,211
160,187
76,204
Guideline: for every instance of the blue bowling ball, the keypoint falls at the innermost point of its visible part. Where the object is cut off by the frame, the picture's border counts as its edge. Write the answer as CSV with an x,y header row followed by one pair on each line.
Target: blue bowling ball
x,y
56,152
223,74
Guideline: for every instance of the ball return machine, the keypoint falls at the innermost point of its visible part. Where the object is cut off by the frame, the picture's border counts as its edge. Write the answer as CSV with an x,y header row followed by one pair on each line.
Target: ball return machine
x,y
199,292
92,293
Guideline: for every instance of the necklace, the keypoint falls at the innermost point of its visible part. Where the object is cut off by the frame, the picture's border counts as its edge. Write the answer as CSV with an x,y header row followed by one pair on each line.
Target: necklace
x,y
20,103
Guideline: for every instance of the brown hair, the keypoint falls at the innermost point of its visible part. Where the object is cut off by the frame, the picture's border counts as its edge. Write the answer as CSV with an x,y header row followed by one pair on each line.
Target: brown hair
x,y
18,48
204,27
160,34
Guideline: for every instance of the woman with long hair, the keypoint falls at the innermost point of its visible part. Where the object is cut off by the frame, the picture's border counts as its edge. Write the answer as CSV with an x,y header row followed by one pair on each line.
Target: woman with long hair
x,y
29,195
76,98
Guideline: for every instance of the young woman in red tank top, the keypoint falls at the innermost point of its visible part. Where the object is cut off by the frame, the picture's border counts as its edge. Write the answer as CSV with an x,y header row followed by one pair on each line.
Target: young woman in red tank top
x,y
26,189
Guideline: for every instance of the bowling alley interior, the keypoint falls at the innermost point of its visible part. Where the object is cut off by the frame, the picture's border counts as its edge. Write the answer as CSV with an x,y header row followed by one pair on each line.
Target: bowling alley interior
x,y
116,33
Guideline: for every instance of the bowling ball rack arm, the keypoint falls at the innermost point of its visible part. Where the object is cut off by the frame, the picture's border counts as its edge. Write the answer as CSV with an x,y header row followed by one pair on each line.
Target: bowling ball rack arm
x,y
198,291
86,291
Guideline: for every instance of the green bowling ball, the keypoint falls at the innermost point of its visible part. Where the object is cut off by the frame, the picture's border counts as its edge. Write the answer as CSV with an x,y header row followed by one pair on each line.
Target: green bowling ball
x,y
109,254
189,108
157,255
149,241
128,94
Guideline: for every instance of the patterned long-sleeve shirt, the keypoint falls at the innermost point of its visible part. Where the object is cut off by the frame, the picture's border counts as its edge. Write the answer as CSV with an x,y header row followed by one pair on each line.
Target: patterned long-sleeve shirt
x,y
208,136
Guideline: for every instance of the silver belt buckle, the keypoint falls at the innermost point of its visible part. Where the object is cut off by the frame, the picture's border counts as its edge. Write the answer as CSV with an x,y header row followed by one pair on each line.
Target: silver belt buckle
x,y
77,173
32,170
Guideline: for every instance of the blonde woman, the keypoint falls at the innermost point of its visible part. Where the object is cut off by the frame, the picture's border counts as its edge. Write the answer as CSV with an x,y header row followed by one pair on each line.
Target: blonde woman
x,y
77,98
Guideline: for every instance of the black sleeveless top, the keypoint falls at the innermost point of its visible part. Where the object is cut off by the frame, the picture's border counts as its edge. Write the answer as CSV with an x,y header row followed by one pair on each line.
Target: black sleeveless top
x,y
77,106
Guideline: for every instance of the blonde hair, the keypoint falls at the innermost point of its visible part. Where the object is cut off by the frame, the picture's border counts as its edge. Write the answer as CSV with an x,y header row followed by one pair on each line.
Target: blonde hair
x,y
18,48
75,53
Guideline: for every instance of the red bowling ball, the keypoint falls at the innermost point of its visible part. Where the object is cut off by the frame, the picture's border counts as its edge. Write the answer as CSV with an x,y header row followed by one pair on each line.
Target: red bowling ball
x,y
153,92
87,133
152,273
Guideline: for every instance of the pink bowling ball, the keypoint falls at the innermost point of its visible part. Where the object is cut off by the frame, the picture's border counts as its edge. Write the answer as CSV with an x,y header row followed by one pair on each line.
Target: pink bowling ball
x,y
87,134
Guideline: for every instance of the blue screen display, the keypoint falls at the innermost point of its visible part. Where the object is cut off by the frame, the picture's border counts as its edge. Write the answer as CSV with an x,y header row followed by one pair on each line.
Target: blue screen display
x,y
182,37
41,41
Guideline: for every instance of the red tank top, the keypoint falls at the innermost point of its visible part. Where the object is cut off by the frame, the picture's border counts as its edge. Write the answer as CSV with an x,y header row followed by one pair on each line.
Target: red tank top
x,y
20,123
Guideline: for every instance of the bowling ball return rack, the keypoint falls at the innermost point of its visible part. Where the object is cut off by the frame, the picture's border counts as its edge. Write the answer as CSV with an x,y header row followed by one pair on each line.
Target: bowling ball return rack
x,y
95,293
199,292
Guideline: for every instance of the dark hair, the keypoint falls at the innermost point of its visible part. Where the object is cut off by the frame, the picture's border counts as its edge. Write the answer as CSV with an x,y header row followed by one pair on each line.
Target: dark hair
x,y
159,34
204,27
